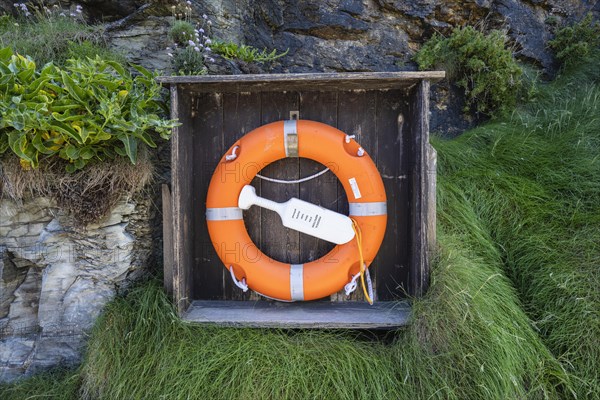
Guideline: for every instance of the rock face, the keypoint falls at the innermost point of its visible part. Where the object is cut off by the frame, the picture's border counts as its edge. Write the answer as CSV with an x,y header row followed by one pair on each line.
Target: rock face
x,y
345,35
335,35
55,279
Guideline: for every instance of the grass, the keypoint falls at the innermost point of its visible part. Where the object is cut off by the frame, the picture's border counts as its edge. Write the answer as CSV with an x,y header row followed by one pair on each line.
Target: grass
x,y
63,38
88,194
58,384
536,190
513,311
141,350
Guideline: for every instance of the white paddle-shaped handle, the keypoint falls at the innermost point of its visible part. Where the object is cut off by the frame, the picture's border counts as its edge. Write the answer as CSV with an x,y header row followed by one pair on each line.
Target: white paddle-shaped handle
x,y
303,216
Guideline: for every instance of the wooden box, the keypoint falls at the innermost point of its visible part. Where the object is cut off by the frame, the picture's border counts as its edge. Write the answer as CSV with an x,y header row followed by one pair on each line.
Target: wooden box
x,y
388,113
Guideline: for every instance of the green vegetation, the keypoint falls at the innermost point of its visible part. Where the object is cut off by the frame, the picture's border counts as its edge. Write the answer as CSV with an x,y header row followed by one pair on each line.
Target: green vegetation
x,y
192,47
160,356
190,50
88,110
573,44
245,53
190,60
181,32
479,63
54,385
533,182
513,311
53,35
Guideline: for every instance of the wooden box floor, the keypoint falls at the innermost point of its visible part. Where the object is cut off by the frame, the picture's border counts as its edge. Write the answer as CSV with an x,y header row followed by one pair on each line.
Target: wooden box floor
x,y
316,315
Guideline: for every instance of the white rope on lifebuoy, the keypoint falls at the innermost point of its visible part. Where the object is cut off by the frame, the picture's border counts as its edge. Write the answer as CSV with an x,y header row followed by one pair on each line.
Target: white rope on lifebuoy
x,y
353,284
308,178
241,284
233,155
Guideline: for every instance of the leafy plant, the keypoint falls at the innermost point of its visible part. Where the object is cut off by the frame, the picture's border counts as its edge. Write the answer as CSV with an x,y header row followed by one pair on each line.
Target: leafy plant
x,y
245,53
481,64
574,43
90,109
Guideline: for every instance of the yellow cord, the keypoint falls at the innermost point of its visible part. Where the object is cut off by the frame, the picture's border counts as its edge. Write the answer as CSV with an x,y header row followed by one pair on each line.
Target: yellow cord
x,y
358,235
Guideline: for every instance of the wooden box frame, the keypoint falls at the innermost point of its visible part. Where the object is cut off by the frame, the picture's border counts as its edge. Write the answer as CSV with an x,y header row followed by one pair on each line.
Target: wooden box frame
x,y
206,104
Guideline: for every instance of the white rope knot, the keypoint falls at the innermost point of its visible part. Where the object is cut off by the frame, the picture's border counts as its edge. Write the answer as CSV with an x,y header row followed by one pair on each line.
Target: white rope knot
x,y
348,137
241,284
233,155
361,152
352,285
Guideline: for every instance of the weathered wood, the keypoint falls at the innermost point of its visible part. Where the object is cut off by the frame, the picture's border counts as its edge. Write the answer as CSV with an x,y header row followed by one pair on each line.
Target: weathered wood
x,y
206,128
315,315
356,116
213,121
240,116
431,220
393,160
289,82
283,243
419,206
167,221
181,197
323,190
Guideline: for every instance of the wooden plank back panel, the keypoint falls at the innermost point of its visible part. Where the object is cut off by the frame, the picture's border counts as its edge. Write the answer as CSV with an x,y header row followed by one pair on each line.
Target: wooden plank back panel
x,y
240,116
393,163
356,116
208,148
323,190
277,241
218,120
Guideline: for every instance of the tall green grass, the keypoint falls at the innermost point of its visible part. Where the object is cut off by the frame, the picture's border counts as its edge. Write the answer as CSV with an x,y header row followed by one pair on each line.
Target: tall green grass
x,y
56,385
512,311
534,185
469,340
62,38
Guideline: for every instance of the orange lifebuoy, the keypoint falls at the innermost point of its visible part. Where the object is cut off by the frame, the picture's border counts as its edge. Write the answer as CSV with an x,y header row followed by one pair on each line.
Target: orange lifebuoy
x,y
264,145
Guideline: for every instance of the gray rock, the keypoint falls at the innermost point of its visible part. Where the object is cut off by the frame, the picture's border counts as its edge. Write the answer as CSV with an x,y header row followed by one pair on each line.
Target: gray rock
x,y
12,278
144,42
56,278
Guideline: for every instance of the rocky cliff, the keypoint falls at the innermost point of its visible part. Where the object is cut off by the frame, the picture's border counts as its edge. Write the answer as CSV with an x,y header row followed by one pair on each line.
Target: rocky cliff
x,y
337,35
55,278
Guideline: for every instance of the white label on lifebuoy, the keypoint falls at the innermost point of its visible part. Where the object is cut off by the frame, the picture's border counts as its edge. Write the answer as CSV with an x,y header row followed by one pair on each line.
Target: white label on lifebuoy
x,y
355,189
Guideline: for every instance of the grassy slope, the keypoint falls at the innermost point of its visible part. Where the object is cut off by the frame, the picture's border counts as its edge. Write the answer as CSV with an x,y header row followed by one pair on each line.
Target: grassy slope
x,y
519,222
534,185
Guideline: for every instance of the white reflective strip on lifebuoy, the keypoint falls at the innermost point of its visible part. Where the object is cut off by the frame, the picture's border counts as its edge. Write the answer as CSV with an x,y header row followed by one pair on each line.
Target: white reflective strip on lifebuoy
x,y
297,282
290,138
224,214
368,209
